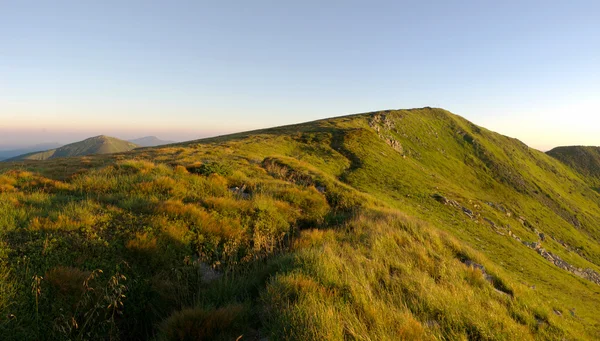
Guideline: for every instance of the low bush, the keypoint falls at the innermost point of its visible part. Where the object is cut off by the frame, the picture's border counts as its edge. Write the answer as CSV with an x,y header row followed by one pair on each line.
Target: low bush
x,y
196,324
211,168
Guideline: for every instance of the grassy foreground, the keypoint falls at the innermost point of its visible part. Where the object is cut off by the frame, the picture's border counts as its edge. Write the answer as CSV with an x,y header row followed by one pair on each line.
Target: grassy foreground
x,y
324,231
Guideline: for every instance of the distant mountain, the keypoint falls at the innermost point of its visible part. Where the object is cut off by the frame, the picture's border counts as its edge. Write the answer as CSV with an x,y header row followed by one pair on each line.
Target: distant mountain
x,y
391,225
94,145
7,154
586,160
150,141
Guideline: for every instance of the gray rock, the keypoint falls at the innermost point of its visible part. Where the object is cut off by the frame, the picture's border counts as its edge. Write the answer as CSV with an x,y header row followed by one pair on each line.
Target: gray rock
x,y
468,212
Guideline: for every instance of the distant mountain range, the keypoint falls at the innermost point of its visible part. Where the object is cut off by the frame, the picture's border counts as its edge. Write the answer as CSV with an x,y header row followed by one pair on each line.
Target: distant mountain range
x,y
392,225
7,154
95,145
150,141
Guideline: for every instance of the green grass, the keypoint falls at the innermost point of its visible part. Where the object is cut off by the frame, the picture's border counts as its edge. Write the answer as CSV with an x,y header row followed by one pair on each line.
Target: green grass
x,y
586,160
93,145
322,231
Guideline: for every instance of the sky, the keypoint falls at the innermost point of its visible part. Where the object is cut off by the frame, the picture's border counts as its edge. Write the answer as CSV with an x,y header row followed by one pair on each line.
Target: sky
x,y
182,70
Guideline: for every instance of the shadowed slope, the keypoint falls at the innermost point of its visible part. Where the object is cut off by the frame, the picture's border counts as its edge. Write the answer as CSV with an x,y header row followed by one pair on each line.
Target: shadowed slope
x,y
585,160
400,224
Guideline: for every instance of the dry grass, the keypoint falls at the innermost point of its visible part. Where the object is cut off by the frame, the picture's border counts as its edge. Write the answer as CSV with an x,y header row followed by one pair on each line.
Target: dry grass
x,y
310,245
406,269
143,242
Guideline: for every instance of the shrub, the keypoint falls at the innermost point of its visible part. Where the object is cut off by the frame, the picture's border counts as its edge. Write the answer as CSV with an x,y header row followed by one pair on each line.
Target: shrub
x,y
162,186
180,170
135,166
96,182
269,226
211,168
67,280
198,187
203,324
143,242
7,184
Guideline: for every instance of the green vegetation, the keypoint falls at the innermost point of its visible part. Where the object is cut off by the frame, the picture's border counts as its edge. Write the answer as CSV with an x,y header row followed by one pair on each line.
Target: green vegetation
x,y
585,160
395,225
94,145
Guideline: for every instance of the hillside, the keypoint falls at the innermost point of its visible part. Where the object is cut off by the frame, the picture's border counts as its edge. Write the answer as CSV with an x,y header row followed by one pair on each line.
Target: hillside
x,y
94,145
6,154
585,160
392,225
150,141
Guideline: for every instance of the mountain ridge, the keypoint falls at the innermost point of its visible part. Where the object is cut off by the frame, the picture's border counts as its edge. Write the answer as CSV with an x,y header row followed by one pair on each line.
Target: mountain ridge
x,y
100,144
584,159
396,224
6,154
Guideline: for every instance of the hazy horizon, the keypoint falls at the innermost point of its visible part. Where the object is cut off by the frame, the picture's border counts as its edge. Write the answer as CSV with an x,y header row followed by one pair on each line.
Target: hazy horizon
x,y
18,139
187,70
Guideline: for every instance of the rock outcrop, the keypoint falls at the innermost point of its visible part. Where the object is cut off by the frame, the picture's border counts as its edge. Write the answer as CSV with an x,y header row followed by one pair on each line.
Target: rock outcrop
x,y
383,125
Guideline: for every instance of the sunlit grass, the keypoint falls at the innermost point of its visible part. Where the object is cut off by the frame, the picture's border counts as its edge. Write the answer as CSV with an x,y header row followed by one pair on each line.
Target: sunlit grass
x,y
321,232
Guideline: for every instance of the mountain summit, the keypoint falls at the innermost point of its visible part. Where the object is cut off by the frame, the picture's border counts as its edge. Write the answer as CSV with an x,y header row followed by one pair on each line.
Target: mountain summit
x,y
150,141
94,145
390,225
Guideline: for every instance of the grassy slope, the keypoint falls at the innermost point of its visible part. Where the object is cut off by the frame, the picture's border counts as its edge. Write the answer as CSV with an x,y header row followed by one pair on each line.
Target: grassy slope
x,y
304,265
6,154
94,145
34,156
585,160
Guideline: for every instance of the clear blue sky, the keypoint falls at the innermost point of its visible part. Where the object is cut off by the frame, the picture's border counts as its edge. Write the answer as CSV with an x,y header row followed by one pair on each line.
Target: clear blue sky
x,y
184,69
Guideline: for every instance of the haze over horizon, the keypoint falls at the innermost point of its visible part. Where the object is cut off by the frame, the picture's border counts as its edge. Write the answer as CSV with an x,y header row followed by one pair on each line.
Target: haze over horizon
x,y
186,70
